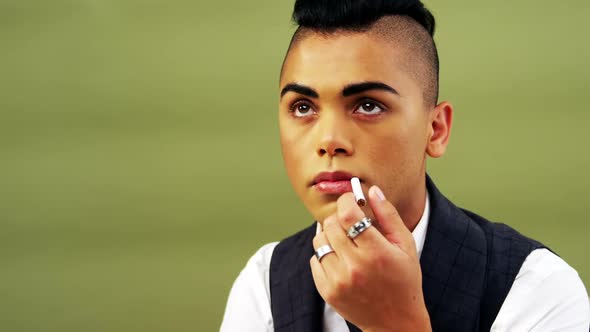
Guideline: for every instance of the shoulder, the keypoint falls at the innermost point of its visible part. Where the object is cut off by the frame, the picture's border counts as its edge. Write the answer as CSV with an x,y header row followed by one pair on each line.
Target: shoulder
x,y
498,229
547,294
260,261
248,304
504,243
289,251
256,270
542,264
298,240
255,275
546,272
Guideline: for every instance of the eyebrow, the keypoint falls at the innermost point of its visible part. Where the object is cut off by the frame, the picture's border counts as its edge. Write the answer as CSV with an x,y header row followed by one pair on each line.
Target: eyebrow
x,y
349,90
356,88
301,89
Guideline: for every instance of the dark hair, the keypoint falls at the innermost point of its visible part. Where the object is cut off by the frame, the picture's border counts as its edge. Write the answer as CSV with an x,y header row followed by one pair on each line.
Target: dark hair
x,y
357,14
360,15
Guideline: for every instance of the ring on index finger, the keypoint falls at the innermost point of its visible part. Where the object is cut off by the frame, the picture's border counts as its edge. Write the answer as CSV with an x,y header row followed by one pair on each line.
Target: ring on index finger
x,y
359,227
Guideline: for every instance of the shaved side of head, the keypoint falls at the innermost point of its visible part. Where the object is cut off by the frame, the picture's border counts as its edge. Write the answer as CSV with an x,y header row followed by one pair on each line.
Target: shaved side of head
x,y
403,33
407,25
421,56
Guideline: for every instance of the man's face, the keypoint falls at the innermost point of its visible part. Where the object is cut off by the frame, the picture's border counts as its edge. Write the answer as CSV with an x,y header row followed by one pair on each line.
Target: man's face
x,y
350,105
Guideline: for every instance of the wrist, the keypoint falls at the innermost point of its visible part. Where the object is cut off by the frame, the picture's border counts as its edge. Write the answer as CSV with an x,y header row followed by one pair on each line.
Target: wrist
x,y
419,323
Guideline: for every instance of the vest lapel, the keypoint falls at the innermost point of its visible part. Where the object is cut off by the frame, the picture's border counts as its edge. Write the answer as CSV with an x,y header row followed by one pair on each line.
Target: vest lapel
x,y
296,304
453,266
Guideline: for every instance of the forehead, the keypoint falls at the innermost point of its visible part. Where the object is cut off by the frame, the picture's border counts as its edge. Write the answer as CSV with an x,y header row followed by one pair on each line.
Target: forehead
x,y
340,58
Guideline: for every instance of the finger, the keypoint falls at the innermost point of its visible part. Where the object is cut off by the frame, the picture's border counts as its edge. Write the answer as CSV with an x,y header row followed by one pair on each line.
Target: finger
x,y
349,213
330,262
388,220
338,239
319,276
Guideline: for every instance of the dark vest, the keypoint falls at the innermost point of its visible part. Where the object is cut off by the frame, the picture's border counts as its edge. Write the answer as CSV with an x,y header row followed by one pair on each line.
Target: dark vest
x,y
468,266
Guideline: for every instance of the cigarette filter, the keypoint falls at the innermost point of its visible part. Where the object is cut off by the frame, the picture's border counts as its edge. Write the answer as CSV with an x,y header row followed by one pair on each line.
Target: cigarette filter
x,y
357,190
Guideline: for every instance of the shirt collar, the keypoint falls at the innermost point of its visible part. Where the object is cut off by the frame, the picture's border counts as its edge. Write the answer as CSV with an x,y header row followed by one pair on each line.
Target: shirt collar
x,y
419,232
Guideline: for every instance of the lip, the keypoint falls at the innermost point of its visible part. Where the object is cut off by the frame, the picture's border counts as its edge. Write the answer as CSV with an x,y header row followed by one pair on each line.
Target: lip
x,y
333,182
332,177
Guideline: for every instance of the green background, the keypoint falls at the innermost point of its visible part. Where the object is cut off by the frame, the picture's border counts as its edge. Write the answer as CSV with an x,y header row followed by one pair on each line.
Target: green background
x,y
140,166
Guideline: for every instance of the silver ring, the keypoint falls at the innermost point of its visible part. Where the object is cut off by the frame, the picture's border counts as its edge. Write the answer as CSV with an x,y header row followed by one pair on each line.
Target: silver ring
x,y
359,227
323,251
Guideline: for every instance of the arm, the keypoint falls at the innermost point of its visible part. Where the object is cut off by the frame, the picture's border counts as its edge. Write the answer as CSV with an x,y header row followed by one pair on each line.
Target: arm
x,y
547,295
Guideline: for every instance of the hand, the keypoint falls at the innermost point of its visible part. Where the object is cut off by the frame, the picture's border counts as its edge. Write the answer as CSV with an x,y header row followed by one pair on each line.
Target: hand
x,y
373,281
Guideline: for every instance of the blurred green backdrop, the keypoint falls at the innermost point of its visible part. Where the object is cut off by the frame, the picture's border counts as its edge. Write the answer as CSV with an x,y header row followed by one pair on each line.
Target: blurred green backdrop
x,y
140,165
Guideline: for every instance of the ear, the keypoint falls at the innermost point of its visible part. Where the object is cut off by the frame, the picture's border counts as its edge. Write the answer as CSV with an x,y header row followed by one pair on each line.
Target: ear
x,y
441,119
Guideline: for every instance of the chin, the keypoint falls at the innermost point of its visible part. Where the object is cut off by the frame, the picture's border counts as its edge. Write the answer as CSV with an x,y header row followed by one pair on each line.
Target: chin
x,y
323,211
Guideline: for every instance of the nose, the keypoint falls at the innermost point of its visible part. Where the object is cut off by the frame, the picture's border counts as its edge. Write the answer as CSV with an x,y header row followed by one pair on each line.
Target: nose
x,y
334,136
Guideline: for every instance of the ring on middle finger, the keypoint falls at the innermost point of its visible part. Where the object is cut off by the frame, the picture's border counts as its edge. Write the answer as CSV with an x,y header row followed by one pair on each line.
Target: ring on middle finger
x,y
359,227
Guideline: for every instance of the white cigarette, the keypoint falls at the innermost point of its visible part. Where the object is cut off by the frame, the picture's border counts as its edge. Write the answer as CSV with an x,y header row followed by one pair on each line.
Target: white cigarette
x,y
357,190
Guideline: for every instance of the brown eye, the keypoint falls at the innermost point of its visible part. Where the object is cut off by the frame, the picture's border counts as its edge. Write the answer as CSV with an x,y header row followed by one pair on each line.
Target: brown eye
x,y
369,108
301,110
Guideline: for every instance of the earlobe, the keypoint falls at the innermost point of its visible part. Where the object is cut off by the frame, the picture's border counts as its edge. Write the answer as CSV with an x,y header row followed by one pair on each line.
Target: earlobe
x,y
440,129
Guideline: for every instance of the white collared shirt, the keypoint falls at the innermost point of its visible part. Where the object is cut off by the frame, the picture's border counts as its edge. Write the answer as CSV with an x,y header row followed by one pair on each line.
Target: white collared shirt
x,y
547,295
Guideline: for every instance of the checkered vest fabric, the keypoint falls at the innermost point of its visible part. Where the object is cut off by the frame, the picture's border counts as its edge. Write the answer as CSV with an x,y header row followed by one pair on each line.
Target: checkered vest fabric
x,y
468,266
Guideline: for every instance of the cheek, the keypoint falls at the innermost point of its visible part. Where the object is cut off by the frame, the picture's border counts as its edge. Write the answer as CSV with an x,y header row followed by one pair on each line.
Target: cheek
x,y
385,153
395,149
291,148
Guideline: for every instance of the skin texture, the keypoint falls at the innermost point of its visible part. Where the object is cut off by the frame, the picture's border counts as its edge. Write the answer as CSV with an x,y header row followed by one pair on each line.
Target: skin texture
x,y
383,138
387,148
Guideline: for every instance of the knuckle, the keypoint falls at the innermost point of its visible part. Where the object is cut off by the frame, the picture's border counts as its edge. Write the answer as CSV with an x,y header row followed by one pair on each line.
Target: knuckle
x,y
330,296
386,262
340,286
331,223
357,276
348,216
379,261
374,262
317,240
330,220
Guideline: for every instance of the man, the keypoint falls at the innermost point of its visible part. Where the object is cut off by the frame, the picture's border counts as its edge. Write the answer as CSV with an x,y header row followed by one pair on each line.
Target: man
x,y
359,98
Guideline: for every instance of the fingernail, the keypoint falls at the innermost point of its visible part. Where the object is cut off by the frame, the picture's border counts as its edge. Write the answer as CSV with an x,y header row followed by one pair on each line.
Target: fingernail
x,y
378,193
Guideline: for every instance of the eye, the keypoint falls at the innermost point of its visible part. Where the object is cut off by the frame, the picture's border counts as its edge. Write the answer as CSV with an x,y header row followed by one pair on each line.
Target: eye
x,y
302,109
369,107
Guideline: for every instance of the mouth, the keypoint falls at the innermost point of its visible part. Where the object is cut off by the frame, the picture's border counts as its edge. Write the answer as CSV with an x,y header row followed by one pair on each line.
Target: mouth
x,y
332,182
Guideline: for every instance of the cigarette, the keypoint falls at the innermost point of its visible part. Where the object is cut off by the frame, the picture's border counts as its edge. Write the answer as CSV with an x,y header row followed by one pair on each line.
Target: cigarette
x,y
357,190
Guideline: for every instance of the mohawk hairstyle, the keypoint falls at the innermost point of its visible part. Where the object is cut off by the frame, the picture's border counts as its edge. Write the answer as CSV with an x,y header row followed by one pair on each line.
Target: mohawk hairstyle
x,y
329,16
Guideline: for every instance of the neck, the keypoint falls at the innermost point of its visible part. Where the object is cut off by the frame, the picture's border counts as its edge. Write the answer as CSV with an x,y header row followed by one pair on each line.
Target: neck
x,y
411,208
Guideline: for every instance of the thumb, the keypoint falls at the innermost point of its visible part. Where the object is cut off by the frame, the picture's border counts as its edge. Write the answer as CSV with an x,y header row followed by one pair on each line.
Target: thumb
x,y
389,222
